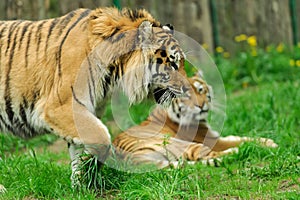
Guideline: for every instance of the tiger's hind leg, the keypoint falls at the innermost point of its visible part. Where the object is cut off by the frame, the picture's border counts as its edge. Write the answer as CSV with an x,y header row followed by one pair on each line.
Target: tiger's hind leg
x,y
161,153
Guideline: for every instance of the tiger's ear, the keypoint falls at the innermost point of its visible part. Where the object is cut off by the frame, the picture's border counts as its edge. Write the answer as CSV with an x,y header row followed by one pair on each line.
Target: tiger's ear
x,y
169,28
146,35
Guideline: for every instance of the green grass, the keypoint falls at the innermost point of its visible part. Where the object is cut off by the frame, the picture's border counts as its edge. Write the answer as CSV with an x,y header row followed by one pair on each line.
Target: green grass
x,y
265,107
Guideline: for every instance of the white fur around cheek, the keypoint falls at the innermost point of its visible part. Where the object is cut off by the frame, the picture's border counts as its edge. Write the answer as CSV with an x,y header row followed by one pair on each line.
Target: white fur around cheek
x,y
172,115
136,79
201,116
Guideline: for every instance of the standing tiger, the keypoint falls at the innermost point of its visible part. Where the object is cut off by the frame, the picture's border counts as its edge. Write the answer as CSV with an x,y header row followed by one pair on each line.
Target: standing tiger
x,y
179,132
55,73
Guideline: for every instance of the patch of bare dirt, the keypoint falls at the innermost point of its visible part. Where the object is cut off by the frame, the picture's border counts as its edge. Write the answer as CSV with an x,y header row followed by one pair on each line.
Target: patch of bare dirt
x,y
58,146
289,186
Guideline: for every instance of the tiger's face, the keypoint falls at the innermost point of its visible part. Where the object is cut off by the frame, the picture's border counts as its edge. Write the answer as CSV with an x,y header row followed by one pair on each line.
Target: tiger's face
x,y
152,61
194,108
167,67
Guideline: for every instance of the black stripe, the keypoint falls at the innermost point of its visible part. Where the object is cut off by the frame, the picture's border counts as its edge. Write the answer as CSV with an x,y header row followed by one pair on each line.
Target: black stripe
x,y
10,32
157,67
106,84
11,26
22,113
90,92
58,56
168,43
8,108
91,73
91,81
52,25
2,30
6,126
12,51
1,33
34,99
28,45
24,30
38,36
173,47
135,14
7,97
65,21
117,29
8,103
75,98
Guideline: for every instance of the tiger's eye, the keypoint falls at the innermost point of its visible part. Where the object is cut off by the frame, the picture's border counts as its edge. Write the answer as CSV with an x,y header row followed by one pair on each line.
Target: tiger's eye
x,y
163,54
159,61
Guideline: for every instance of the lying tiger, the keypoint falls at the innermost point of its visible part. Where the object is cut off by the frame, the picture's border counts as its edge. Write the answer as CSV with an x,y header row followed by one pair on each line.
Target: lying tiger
x,y
185,121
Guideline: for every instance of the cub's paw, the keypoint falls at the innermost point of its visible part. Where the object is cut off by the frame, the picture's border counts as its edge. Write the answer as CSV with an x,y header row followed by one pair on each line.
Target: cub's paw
x,y
214,162
267,142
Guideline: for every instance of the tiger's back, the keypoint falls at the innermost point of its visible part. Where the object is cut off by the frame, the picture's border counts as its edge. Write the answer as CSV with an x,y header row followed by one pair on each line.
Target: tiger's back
x,y
31,59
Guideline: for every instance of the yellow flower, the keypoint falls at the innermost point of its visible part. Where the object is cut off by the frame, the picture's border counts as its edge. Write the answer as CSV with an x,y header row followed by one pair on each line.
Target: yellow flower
x,y
243,37
298,63
205,46
252,41
292,62
240,38
245,84
280,48
226,54
219,50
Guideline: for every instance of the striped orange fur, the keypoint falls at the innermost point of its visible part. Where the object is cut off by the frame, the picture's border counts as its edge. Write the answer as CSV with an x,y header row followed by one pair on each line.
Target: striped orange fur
x,y
56,73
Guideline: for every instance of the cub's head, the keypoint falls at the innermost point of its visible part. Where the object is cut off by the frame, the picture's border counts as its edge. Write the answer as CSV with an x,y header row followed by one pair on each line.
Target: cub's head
x,y
144,53
194,108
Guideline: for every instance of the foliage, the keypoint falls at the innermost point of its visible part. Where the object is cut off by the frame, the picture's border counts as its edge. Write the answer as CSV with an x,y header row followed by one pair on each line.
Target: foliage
x,y
253,65
263,101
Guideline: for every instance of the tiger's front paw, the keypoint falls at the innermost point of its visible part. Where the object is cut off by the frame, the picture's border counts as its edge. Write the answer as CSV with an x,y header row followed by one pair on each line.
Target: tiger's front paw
x,y
76,179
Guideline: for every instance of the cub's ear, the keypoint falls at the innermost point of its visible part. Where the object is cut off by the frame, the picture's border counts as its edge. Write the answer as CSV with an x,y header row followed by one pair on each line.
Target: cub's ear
x,y
169,28
146,35
199,74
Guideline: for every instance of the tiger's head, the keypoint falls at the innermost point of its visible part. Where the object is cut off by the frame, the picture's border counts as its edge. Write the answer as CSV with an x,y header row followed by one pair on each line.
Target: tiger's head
x,y
140,52
194,108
